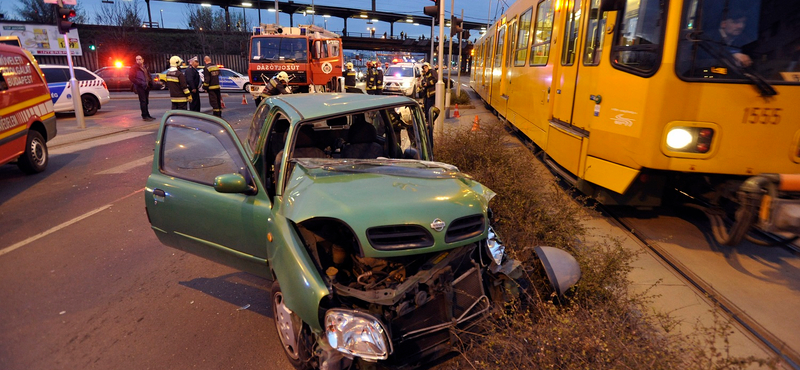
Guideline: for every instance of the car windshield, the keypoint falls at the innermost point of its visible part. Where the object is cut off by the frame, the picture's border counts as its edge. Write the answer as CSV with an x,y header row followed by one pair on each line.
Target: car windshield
x,y
396,71
322,167
278,49
740,41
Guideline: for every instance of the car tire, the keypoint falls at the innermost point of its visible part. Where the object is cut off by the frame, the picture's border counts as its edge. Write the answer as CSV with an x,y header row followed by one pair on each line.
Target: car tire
x,y
246,87
295,336
35,157
90,104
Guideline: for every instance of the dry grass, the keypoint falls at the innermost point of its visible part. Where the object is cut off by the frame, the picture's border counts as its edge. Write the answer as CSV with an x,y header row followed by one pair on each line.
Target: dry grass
x,y
601,325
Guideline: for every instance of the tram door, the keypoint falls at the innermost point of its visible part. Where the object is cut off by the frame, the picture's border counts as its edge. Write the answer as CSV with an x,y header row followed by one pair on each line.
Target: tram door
x,y
505,81
498,98
567,72
566,141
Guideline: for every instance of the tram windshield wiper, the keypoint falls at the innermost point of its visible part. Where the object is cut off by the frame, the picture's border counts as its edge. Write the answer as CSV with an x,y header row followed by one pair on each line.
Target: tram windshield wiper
x,y
721,53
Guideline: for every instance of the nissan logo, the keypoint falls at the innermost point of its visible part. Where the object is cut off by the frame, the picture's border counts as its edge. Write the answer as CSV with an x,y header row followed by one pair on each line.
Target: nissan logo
x,y
437,224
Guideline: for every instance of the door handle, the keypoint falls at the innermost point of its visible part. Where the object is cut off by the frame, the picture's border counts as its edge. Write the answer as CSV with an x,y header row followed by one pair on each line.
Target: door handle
x,y
159,195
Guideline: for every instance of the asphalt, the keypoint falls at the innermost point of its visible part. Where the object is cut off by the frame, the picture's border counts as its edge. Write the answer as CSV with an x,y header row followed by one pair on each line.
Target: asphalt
x,y
671,293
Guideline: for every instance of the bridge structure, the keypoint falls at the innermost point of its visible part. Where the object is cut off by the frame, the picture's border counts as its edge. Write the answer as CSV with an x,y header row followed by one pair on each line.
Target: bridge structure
x,y
292,8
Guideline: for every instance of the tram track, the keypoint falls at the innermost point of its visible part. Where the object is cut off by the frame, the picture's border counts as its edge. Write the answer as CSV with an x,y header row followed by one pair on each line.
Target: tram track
x,y
723,305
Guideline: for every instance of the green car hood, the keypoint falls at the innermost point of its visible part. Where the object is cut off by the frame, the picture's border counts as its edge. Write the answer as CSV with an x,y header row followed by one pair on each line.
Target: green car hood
x,y
381,195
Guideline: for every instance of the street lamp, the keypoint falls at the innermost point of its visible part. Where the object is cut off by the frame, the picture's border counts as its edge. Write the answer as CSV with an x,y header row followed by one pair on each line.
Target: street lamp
x,y
162,18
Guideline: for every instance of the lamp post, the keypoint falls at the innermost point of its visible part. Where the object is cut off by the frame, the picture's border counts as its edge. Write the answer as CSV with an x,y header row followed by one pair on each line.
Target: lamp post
x,y
162,18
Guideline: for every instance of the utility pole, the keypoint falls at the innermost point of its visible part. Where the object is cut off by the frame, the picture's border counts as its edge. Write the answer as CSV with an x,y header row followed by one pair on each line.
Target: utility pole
x,y
460,51
439,125
449,61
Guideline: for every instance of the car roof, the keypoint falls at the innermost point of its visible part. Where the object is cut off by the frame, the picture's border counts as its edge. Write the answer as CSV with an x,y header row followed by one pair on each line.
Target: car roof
x,y
60,66
315,106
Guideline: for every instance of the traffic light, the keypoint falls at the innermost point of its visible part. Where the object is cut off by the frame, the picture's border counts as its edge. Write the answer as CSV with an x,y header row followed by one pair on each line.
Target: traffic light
x,y
433,10
64,14
455,25
92,47
464,35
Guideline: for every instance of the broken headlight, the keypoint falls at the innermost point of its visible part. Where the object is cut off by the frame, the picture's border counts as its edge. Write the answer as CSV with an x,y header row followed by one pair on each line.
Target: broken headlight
x,y
357,334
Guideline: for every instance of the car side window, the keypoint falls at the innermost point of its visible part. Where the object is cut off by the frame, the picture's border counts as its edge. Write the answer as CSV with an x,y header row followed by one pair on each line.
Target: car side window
x,y
82,75
225,73
55,75
198,150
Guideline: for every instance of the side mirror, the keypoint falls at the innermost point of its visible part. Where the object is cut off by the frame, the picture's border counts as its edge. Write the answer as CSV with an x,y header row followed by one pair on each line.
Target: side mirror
x,y
231,183
562,269
433,114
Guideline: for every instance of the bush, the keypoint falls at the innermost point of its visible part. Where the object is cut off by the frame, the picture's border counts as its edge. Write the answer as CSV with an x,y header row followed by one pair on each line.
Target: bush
x,y
462,98
601,325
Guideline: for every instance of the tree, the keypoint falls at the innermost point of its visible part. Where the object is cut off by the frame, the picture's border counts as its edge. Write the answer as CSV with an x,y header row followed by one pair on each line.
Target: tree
x,y
203,18
36,11
121,14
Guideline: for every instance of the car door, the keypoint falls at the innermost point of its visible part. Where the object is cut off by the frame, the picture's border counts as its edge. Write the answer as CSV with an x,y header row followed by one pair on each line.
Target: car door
x,y
187,211
226,80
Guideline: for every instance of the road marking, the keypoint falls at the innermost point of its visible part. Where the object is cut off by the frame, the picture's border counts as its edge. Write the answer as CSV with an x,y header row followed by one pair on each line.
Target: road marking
x,y
65,224
127,166
83,145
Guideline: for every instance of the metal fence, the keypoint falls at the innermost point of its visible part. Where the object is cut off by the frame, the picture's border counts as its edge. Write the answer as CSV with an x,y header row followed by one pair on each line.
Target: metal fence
x,y
154,62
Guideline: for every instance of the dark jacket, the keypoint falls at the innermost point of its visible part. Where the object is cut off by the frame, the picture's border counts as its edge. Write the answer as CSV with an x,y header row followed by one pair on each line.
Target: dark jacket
x,y
275,87
429,82
192,78
140,77
211,80
349,78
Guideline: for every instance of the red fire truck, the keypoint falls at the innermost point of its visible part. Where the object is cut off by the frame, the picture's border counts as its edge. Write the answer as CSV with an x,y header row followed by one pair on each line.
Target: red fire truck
x,y
310,55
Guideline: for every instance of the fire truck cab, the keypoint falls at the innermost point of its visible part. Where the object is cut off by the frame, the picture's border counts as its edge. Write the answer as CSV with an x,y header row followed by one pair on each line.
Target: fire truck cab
x,y
310,55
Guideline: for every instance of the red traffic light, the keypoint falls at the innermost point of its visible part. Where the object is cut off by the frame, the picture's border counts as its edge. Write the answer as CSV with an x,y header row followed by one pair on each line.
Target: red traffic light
x,y
64,14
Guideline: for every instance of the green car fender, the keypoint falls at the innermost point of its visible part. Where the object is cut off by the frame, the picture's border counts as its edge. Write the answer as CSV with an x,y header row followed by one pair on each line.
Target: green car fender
x,y
303,287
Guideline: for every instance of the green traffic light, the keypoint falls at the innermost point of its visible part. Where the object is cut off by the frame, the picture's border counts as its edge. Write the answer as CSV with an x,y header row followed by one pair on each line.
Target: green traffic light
x,y
92,47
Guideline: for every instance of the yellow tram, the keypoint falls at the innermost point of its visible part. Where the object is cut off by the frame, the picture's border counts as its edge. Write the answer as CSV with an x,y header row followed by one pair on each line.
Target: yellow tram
x,y
630,98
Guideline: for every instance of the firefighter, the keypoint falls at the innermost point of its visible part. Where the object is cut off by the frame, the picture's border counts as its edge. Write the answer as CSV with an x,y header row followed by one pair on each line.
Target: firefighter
x,y
176,83
429,78
211,84
350,79
276,85
374,79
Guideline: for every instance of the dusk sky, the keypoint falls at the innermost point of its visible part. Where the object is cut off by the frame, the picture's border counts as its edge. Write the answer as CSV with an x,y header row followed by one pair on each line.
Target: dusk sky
x,y
174,13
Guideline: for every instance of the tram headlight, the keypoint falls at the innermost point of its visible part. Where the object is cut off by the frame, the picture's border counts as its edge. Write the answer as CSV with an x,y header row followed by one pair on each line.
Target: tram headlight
x,y
679,138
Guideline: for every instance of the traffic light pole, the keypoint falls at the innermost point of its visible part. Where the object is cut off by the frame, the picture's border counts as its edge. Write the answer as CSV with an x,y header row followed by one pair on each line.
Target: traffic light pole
x,y
439,125
449,64
77,102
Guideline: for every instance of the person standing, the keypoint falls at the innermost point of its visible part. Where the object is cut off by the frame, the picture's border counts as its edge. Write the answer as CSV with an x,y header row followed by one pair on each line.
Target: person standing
x,y
349,78
211,84
429,78
142,83
372,76
193,80
176,84
379,79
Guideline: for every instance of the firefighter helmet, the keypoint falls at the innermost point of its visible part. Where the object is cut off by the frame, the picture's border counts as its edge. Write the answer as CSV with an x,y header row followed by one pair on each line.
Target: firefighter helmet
x,y
282,76
175,61
426,64
349,65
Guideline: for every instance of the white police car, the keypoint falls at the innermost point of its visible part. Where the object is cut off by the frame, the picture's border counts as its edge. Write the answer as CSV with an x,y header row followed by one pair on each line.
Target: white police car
x,y
230,80
94,91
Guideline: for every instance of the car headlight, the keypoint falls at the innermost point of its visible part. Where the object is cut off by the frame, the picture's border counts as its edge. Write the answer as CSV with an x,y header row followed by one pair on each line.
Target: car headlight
x,y
357,334
678,138
406,84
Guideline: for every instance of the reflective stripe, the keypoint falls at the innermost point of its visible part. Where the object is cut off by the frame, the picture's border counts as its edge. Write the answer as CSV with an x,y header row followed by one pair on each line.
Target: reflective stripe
x,y
27,104
172,79
214,87
179,100
186,91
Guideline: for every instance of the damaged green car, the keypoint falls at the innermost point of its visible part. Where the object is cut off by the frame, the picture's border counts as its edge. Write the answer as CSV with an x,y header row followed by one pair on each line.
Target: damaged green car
x,y
376,252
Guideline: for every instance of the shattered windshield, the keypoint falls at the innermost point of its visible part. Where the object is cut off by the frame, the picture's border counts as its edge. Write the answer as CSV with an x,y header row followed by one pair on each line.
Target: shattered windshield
x,y
383,166
278,49
753,41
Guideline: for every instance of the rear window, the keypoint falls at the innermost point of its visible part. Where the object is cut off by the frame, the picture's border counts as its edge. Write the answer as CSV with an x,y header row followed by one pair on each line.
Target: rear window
x,y
82,75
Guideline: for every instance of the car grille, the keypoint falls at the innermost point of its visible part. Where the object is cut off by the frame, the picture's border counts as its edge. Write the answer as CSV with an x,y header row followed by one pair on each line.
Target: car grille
x,y
399,237
464,228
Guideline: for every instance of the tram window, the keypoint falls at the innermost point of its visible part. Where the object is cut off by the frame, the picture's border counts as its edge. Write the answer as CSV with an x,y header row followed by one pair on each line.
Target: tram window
x,y
512,34
594,35
637,48
571,32
498,51
543,30
521,50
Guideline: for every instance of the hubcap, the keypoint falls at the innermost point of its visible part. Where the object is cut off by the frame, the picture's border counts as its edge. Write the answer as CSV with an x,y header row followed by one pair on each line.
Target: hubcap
x,y
286,326
37,152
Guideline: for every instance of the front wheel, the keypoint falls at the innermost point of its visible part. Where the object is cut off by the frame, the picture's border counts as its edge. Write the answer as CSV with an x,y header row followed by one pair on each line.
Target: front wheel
x,y
246,87
90,104
35,157
294,334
